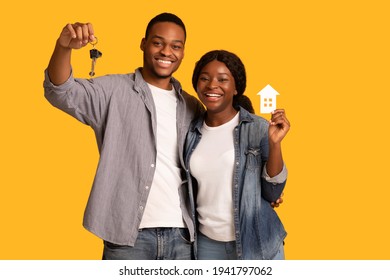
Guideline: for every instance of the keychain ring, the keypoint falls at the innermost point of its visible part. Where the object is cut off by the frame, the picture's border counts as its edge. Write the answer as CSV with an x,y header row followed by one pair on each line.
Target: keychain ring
x,y
93,43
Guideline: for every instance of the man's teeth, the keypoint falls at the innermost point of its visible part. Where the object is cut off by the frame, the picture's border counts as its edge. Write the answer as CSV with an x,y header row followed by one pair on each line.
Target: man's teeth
x,y
213,95
165,61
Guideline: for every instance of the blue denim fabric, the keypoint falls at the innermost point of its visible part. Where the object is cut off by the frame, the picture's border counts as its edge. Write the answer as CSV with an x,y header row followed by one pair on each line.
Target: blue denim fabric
x,y
259,231
153,244
280,254
209,249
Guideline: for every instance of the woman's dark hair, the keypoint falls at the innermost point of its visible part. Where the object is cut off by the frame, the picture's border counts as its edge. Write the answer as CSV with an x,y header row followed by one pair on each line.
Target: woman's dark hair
x,y
235,66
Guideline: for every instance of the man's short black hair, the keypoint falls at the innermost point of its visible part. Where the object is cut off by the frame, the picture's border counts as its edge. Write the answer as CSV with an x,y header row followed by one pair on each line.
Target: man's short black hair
x,y
165,17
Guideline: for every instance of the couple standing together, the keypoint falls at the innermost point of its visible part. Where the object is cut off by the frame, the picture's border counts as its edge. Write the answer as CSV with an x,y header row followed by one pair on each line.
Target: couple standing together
x,y
175,181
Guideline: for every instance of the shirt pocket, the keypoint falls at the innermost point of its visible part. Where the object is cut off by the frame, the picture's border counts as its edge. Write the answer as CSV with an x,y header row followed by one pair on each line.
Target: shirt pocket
x,y
253,158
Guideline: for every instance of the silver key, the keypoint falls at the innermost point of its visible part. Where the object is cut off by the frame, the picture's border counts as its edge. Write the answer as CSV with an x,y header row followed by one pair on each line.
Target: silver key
x,y
94,54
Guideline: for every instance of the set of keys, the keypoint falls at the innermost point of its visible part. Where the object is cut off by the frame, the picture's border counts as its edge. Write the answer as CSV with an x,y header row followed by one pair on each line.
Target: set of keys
x,y
94,54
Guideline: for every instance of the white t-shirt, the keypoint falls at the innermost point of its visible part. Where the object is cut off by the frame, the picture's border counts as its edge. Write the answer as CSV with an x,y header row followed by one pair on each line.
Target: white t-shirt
x,y
163,204
212,165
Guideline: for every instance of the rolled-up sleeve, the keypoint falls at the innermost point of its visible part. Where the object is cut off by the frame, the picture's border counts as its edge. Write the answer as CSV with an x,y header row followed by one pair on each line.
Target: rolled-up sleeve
x,y
278,179
272,187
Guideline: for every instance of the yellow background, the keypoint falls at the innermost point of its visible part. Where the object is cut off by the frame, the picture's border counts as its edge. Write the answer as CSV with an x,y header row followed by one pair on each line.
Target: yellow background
x,y
329,60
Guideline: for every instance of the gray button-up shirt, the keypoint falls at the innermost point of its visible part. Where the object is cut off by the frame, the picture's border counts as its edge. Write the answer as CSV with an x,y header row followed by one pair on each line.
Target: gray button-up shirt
x,y
121,111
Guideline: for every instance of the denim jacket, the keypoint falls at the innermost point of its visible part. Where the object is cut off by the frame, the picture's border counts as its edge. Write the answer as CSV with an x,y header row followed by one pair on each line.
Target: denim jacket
x,y
258,229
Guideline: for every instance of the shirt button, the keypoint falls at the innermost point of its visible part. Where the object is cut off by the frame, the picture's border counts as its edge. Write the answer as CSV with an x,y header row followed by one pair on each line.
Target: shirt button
x,y
141,208
152,165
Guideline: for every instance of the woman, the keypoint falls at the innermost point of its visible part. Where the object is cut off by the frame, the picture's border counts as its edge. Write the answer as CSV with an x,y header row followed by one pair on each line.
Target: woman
x,y
235,160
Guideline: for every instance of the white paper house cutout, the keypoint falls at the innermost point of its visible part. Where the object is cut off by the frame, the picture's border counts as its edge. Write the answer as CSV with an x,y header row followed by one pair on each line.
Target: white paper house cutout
x,y
267,99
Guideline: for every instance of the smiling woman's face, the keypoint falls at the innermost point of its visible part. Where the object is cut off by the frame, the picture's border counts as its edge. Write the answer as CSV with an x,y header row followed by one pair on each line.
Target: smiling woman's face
x,y
216,87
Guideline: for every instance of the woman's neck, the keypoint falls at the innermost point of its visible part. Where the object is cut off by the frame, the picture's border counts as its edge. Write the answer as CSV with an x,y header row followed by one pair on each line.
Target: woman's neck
x,y
219,118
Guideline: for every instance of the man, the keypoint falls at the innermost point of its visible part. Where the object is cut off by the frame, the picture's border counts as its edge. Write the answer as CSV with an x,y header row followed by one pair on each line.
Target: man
x,y
139,203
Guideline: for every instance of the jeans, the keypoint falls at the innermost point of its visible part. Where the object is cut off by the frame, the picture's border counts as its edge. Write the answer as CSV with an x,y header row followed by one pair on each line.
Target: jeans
x,y
209,249
153,244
